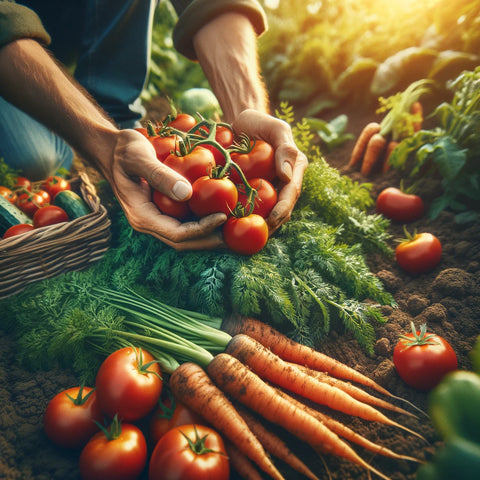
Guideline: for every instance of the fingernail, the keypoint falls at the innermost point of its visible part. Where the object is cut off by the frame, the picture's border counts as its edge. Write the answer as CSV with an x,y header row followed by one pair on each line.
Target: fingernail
x,y
287,169
181,190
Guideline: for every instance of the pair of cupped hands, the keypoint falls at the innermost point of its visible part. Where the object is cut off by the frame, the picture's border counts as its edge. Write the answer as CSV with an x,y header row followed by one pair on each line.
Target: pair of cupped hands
x,y
134,171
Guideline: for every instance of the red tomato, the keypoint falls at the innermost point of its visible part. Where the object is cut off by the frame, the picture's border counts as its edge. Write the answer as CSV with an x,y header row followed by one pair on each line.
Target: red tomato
x,y
422,359
224,136
49,215
55,184
128,384
245,235
183,122
10,195
174,458
193,165
259,163
399,206
18,229
266,196
143,131
169,415
419,254
45,195
30,202
121,454
211,195
22,183
171,207
69,419
164,146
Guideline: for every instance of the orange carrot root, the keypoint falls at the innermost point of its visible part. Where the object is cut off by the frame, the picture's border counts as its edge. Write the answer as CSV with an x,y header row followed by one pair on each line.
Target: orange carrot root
x,y
238,381
291,351
373,153
392,144
361,144
191,385
417,109
241,463
273,369
345,432
274,445
353,391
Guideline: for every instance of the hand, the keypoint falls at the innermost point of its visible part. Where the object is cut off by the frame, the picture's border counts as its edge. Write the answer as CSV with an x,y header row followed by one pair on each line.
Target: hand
x,y
133,172
290,162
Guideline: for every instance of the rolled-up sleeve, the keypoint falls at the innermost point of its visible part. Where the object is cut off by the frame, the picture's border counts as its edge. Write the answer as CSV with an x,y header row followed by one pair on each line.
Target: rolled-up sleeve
x,y
194,14
18,21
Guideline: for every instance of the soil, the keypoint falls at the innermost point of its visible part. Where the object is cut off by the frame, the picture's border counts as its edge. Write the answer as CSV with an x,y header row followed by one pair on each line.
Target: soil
x,y
447,299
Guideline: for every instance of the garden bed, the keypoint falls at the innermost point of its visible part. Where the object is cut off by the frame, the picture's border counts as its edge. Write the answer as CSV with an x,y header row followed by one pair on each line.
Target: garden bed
x,y
447,299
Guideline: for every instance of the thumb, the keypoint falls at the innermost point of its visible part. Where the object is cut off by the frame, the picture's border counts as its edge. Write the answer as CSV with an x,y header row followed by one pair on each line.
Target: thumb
x,y
169,182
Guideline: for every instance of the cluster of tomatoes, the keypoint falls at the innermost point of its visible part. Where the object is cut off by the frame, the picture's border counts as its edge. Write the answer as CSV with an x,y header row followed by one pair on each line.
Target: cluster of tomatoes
x,y
228,175
107,424
419,252
34,199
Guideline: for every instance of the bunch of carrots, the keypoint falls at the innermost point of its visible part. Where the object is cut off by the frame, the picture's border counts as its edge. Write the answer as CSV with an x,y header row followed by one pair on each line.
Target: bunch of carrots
x,y
261,375
377,140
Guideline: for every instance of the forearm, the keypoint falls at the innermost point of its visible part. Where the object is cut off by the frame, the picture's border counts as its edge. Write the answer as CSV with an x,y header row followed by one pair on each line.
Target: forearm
x,y
227,51
31,80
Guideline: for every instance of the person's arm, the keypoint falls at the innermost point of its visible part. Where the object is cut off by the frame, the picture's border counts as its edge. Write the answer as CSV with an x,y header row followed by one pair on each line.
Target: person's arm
x,y
32,80
226,48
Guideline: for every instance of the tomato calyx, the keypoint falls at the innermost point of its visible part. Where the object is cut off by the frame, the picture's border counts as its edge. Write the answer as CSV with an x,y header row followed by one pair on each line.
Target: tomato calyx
x,y
167,411
80,399
419,338
409,237
143,368
197,446
113,431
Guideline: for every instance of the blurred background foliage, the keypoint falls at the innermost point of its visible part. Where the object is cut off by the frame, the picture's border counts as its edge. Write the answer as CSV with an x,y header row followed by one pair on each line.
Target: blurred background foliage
x,y
322,54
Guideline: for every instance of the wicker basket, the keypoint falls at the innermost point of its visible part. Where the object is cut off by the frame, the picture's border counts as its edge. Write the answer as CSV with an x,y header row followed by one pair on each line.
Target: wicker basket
x,y
49,251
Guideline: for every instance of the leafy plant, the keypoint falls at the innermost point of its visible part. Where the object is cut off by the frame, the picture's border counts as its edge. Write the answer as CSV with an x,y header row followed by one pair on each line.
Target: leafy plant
x,y
449,151
332,133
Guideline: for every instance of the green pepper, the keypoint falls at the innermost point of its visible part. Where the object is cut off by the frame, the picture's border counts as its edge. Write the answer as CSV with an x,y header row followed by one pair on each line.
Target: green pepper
x,y
455,412
458,459
455,406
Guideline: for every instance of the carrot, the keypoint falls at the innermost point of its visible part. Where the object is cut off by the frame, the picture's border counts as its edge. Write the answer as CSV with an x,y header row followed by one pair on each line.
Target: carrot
x,y
361,144
241,463
417,110
273,444
343,431
375,148
191,385
273,369
392,144
294,352
238,381
353,391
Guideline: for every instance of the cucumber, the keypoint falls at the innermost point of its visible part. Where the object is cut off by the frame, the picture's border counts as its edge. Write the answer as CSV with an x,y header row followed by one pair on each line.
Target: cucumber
x,y
10,215
73,204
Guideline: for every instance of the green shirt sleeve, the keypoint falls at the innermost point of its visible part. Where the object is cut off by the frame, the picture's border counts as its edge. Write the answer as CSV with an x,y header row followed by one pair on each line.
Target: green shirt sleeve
x,y
194,14
18,21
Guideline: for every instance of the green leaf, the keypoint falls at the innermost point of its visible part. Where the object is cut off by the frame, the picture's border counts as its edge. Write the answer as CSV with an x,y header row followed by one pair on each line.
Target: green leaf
x,y
448,157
